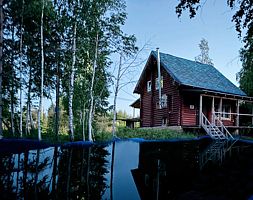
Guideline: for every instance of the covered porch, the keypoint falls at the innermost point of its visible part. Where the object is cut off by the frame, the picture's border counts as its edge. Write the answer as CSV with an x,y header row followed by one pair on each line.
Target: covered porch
x,y
234,112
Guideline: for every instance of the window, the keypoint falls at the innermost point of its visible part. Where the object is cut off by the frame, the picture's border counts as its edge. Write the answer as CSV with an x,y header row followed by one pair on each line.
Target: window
x,y
164,101
164,121
192,107
149,86
156,83
146,180
226,110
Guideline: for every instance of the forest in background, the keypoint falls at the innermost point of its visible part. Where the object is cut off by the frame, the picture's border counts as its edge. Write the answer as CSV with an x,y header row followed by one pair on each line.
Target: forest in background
x,y
60,49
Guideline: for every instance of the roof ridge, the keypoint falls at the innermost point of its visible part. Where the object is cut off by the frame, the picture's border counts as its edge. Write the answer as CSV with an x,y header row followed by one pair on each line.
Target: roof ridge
x,y
192,73
182,58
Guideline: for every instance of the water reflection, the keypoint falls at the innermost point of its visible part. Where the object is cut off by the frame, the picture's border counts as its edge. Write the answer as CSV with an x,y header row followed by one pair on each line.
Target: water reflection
x,y
198,169
194,170
216,152
54,173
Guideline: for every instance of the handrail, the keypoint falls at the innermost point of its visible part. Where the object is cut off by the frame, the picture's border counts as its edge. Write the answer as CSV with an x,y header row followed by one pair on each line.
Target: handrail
x,y
205,124
230,113
227,133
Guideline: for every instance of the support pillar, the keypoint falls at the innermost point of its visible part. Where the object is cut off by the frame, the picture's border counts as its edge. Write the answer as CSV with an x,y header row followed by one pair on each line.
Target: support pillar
x,y
200,110
220,109
213,120
237,117
237,113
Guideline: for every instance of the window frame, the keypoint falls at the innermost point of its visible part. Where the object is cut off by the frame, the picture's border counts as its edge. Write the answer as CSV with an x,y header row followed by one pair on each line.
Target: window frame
x,y
224,115
164,101
164,121
156,83
149,86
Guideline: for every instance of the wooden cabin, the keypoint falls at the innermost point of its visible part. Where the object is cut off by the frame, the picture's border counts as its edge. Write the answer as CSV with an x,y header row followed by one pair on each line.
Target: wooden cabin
x,y
191,93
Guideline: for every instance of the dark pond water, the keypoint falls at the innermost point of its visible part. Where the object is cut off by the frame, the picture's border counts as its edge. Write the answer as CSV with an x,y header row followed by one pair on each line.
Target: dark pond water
x,y
196,169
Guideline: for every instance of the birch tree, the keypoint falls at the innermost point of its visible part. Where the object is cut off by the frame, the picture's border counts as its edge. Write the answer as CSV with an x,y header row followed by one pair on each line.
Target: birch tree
x,y
36,59
42,70
128,62
29,119
71,85
91,91
58,72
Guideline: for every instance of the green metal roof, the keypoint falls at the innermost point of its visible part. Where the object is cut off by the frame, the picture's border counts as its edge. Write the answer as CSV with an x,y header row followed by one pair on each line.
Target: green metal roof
x,y
195,74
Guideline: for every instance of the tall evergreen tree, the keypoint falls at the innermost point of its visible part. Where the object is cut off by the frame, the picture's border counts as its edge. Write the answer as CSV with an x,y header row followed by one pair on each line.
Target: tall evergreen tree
x,y
245,76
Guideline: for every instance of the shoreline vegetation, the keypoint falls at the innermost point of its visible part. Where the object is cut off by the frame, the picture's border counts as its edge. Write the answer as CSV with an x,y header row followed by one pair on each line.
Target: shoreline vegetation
x,y
122,133
149,134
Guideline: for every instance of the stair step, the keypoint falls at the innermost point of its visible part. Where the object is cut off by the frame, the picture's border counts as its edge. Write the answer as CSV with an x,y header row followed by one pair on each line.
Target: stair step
x,y
214,131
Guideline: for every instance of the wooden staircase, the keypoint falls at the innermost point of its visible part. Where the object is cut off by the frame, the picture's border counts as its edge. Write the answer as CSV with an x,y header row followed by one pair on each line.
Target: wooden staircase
x,y
216,131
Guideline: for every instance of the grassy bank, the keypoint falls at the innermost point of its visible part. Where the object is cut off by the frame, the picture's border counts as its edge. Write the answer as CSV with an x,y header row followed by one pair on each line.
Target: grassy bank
x,y
123,133
149,134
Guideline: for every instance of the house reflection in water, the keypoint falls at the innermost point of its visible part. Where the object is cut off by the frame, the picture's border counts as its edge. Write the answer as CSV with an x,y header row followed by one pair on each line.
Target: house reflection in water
x,y
193,170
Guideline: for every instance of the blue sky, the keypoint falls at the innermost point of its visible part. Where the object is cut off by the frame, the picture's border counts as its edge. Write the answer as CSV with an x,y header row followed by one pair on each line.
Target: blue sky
x,y
157,23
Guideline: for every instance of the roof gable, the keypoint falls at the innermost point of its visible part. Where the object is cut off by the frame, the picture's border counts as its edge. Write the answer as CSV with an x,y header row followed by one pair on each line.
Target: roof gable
x,y
195,74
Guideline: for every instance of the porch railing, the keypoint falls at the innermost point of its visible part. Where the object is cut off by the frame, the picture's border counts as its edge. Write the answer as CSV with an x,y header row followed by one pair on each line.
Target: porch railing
x,y
218,123
238,119
214,131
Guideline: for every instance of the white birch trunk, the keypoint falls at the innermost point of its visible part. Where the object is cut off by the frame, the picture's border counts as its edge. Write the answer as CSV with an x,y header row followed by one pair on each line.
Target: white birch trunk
x,y
28,105
42,72
27,119
83,121
115,98
91,93
71,85
12,117
20,73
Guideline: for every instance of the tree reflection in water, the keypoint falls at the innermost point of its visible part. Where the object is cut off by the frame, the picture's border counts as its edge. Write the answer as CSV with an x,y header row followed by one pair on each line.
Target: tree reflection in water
x,y
54,173
82,173
197,169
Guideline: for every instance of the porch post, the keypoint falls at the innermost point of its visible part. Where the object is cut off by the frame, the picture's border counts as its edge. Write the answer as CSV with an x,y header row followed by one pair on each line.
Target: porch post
x,y
220,109
237,117
213,111
200,111
237,113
